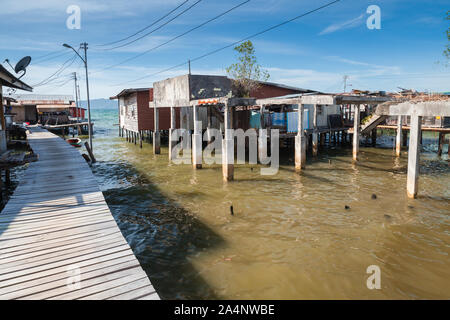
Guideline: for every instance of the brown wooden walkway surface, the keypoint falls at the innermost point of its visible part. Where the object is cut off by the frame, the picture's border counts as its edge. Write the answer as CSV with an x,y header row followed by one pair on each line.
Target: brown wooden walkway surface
x,y
57,229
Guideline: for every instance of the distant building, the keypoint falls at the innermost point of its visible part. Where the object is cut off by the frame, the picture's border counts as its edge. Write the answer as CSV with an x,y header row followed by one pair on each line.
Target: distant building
x,y
134,112
42,108
7,79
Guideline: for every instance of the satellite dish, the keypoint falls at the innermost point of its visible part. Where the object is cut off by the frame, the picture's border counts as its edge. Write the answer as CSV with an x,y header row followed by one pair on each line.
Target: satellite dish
x,y
22,65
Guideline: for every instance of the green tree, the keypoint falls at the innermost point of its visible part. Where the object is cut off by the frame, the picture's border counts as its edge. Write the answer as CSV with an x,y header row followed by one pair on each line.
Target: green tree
x,y
246,73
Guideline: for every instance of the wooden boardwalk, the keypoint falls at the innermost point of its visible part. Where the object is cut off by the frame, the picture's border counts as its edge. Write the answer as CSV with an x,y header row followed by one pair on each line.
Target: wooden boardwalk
x,y
57,229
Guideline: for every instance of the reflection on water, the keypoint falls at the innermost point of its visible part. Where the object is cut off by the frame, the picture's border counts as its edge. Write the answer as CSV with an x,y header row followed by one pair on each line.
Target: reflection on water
x,y
290,236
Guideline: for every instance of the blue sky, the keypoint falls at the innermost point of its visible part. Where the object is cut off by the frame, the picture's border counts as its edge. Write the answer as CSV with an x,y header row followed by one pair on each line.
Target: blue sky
x,y
314,52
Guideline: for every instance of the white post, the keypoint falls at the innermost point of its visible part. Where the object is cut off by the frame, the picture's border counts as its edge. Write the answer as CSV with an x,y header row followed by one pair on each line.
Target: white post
x,y
197,141
398,138
208,128
172,142
262,138
156,135
228,147
414,156
300,142
356,130
315,135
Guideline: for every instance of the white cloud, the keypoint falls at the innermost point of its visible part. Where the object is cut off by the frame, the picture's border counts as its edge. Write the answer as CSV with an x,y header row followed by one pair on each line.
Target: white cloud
x,y
343,25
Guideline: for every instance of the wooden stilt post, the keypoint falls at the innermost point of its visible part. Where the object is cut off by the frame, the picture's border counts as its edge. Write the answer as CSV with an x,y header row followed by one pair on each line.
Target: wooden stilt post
x,y
374,137
414,156
156,135
440,143
197,140
448,151
356,129
405,138
300,142
140,139
228,147
91,155
398,138
315,135
7,177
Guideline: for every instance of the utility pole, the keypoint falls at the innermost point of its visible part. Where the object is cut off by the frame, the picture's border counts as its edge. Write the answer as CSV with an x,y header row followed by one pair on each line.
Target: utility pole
x,y
345,82
84,46
189,63
76,101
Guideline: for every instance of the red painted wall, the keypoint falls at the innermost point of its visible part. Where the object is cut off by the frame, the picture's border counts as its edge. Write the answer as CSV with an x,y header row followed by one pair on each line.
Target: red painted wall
x,y
268,91
146,114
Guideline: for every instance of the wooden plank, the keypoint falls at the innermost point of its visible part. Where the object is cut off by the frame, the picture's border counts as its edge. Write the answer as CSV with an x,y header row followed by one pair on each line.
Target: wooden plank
x,y
56,220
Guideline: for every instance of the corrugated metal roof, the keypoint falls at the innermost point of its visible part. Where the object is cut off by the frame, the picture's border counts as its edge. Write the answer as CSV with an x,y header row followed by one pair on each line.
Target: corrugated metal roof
x,y
43,97
9,80
125,92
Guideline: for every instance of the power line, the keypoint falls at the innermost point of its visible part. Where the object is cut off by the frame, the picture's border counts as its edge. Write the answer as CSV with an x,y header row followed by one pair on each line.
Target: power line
x,y
48,54
178,36
56,74
156,29
236,42
51,58
143,29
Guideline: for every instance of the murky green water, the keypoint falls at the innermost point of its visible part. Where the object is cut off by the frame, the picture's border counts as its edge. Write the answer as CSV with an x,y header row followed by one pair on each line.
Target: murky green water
x,y
291,236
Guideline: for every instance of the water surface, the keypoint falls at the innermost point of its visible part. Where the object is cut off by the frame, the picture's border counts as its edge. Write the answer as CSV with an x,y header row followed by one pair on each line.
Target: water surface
x,y
291,236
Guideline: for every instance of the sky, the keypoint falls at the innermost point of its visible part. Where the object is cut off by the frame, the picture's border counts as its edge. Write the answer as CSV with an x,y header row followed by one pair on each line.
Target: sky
x,y
314,52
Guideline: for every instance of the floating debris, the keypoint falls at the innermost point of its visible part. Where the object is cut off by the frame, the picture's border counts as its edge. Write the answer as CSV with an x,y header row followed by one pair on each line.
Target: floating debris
x,y
231,210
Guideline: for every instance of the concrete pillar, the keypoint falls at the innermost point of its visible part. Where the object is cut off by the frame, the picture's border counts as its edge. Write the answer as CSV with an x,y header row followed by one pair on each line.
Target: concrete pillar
x,y
197,140
356,130
398,138
262,138
300,142
208,129
172,141
414,156
156,134
315,135
228,147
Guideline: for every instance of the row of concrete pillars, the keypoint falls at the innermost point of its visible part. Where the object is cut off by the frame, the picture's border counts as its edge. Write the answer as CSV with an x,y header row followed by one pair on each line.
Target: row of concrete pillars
x,y
300,142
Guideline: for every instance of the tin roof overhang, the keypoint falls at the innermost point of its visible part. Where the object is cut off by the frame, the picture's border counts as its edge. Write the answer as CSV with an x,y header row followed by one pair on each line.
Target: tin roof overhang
x,y
7,79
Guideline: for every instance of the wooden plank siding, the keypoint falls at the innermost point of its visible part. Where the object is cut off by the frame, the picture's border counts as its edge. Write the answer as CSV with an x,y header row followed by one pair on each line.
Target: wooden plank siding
x,y
57,221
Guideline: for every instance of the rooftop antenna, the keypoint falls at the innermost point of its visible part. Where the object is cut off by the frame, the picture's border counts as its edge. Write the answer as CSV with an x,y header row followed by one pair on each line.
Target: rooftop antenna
x,y
21,66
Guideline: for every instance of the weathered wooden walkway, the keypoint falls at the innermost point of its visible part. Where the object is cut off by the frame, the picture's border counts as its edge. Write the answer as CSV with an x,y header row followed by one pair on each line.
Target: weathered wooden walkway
x,y
57,229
